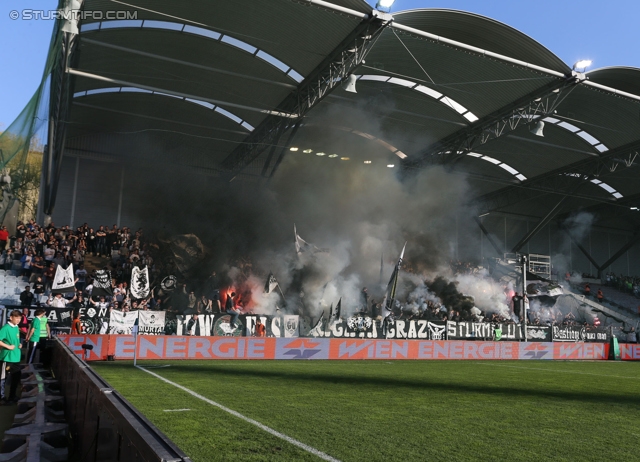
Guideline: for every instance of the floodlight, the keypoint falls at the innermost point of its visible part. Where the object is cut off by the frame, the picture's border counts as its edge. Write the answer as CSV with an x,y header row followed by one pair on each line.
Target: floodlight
x,y
344,158
385,4
294,149
390,165
351,84
537,130
582,64
367,161
333,155
308,151
320,154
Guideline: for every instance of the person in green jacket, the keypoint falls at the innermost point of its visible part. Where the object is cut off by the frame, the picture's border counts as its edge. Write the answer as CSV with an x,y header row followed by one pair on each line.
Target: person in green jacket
x,y
10,357
497,332
38,333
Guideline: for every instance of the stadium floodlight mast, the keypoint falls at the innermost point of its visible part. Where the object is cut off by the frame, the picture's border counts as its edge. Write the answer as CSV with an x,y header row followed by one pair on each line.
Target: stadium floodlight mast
x,y
385,5
582,64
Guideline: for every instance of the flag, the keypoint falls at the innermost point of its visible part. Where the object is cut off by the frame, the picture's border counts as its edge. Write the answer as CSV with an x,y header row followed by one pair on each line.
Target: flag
x,y
140,287
271,284
64,280
169,283
334,315
303,246
102,284
390,294
317,328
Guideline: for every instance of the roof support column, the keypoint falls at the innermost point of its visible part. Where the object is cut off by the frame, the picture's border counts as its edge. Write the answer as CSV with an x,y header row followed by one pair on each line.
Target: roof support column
x,y
633,241
582,249
548,217
489,237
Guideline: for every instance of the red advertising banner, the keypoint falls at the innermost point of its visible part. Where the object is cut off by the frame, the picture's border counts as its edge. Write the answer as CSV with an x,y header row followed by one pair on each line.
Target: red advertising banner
x,y
629,352
191,347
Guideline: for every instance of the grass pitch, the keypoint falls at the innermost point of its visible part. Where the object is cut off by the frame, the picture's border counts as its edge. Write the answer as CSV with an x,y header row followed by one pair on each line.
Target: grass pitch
x,y
388,411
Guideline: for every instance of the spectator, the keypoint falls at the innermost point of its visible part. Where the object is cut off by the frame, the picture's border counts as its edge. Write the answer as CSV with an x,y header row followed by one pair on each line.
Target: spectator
x,y
600,295
10,357
81,277
260,330
26,297
4,237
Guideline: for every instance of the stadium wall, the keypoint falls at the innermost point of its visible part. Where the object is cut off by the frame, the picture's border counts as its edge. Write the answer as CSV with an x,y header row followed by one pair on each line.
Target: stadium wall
x,y
176,347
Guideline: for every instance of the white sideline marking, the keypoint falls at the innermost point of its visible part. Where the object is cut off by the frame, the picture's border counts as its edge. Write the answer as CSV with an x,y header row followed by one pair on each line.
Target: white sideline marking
x,y
176,410
158,367
275,433
567,372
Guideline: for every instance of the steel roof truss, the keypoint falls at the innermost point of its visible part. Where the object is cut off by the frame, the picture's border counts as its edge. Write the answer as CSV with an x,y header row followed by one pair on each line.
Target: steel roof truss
x,y
528,109
336,67
559,180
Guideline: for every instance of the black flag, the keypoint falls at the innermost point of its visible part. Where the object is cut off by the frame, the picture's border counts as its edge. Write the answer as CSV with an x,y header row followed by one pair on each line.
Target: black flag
x,y
271,284
102,284
390,294
336,313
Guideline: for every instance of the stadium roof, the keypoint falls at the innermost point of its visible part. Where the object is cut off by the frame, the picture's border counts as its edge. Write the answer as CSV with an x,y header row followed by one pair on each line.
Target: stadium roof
x,y
228,87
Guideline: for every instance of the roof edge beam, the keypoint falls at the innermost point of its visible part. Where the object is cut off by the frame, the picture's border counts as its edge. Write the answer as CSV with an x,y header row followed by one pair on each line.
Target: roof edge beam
x,y
178,94
480,51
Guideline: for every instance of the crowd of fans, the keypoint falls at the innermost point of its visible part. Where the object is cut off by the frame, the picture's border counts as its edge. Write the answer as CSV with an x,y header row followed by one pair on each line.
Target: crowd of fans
x,y
35,251
625,284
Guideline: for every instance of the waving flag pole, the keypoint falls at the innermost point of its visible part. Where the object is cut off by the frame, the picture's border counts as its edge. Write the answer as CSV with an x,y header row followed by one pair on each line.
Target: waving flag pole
x,y
390,294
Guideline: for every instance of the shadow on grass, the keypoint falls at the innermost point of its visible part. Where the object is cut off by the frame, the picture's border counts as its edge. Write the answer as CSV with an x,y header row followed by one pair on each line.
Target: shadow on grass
x,y
427,384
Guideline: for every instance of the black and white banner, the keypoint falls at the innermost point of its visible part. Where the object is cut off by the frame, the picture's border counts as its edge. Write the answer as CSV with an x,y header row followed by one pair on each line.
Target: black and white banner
x,y
169,283
220,325
122,322
538,333
102,284
140,286
94,320
59,319
579,334
64,280
482,331
151,322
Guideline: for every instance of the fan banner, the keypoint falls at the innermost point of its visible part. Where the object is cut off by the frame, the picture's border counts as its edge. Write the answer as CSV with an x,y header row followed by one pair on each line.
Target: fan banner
x,y
151,322
64,280
122,322
140,286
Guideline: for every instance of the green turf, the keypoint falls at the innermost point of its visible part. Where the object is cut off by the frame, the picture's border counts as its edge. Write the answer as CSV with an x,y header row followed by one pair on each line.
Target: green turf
x,y
400,410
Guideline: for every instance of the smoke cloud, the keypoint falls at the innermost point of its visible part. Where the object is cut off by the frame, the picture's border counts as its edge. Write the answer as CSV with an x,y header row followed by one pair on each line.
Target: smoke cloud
x,y
361,213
